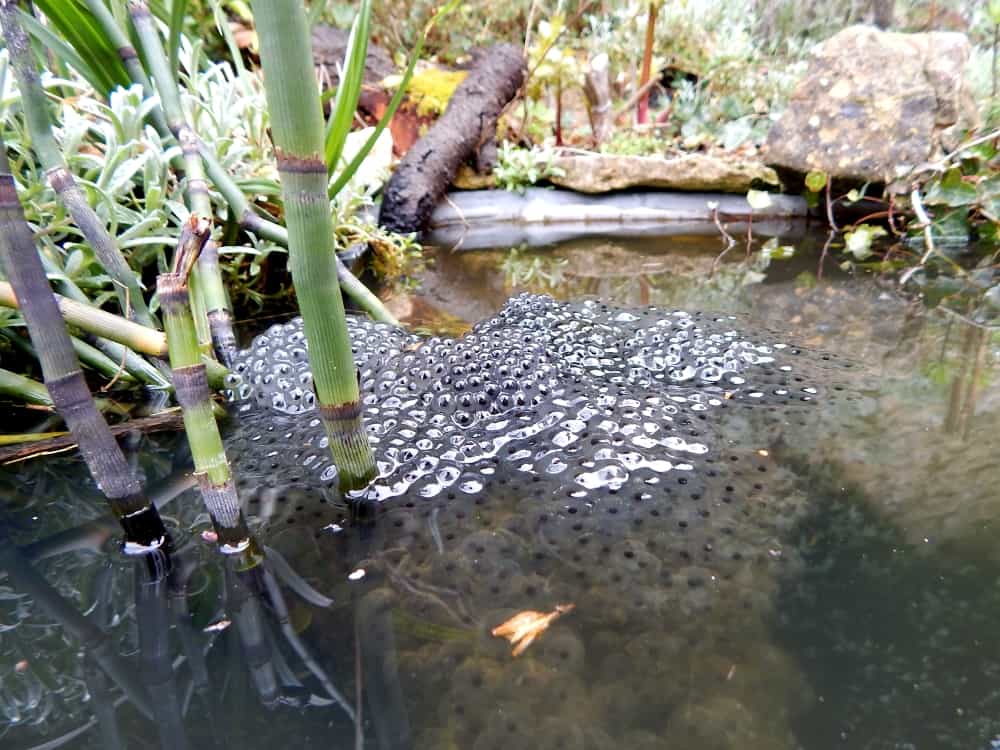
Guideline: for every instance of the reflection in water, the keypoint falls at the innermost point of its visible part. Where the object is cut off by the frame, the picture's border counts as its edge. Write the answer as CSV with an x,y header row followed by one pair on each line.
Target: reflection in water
x,y
965,383
152,656
859,612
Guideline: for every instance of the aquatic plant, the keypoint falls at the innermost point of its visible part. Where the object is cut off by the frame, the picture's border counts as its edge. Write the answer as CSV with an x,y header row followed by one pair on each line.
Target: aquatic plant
x,y
941,237
191,388
297,125
64,379
213,317
123,157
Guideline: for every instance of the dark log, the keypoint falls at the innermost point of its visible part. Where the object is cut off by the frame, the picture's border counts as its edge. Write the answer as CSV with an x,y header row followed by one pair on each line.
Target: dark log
x,y
469,123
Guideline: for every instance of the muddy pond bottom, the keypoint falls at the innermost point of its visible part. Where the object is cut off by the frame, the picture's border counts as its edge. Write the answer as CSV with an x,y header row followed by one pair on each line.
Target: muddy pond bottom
x,y
595,523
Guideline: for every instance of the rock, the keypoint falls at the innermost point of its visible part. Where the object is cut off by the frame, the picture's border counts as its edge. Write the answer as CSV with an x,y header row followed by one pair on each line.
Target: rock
x,y
850,119
602,173
469,179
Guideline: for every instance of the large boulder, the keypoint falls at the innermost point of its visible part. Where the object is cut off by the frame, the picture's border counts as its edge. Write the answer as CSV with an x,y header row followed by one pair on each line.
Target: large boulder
x,y
875,104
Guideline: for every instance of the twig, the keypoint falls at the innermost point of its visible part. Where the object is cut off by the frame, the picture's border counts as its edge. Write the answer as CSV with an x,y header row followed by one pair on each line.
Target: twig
x,y
829,207
867,217
974,142
822,255
968,320
925,223
166,420
632,100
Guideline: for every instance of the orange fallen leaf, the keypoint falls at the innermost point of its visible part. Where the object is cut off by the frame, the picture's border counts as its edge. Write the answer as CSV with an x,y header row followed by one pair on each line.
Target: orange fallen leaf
x,y
523,628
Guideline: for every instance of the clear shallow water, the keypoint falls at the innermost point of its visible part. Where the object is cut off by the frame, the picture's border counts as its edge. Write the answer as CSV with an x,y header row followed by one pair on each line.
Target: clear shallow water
x,y
863,619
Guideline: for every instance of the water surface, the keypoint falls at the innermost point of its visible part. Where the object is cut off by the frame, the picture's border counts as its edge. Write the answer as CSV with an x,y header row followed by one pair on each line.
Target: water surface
x,y
840,592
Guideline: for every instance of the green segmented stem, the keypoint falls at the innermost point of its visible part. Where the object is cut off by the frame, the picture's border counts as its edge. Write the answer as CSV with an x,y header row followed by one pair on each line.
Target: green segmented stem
x,y
297,130
63,377
213,313
191,386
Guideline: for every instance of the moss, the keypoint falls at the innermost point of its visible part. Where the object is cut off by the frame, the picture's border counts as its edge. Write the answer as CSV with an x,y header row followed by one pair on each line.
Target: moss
x,y
430,89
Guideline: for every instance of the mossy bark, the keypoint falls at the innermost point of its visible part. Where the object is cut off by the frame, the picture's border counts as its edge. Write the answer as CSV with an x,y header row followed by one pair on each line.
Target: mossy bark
x,y
468,124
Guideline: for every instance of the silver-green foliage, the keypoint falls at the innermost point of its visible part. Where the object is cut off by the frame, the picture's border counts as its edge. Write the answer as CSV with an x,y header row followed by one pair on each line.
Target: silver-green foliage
x,y
124,167
519,168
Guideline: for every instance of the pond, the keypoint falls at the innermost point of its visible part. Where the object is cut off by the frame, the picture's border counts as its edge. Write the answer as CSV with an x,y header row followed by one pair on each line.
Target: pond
x,y
767,525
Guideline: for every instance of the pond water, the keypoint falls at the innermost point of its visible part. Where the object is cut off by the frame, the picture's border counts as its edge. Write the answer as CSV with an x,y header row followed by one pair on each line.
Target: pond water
x,y
767,526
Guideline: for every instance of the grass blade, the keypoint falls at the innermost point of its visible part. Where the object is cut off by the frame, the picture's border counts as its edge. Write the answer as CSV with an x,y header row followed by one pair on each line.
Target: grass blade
x,y
351,77
349,170
66,53
80,31
178,11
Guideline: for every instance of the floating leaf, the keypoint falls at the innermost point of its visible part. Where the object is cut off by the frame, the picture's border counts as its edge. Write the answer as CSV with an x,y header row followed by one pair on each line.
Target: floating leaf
x,y
523,628
859,242
773,251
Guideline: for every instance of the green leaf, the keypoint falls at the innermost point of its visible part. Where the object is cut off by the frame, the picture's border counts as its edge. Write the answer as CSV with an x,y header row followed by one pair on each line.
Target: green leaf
x,y
178,11
952,229
773,251
349,91
988,195
992,297
859,241
951,190
758,199
81,31
816,180
806,280
65,52
345,176
993,11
